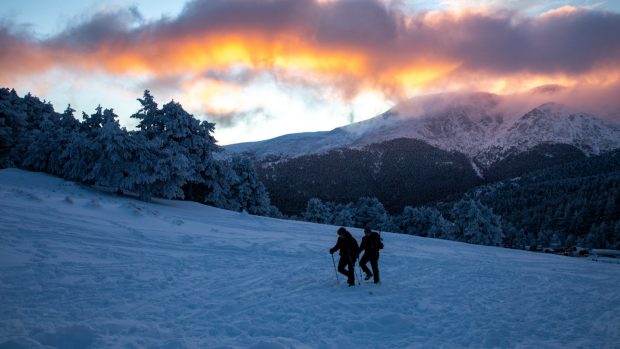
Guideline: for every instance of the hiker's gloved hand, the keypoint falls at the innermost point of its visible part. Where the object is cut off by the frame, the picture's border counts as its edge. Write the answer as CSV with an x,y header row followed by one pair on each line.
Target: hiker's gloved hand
x,y
331,251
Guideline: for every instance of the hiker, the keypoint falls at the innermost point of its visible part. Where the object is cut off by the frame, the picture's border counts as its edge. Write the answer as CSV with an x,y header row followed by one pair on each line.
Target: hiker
x,y
371,244
348,254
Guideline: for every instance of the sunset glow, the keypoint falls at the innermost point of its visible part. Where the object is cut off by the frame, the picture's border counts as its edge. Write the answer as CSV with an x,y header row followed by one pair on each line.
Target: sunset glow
x,y
336,53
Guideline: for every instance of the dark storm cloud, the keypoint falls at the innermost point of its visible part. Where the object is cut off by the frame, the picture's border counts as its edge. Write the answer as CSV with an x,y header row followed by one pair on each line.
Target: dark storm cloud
x,y
363,23
566,42
102,29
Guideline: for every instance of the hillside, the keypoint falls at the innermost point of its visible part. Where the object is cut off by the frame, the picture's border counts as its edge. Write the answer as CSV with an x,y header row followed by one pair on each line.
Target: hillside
x,y
399,172
572,202
85,269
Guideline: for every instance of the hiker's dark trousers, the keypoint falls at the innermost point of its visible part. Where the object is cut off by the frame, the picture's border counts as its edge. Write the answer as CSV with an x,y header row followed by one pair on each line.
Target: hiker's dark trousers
x,y
374,263
350,272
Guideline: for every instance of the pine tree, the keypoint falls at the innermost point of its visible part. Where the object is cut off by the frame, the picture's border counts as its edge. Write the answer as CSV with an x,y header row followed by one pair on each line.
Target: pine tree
x,y
9,121
249,191
94,121
145,174
184,133
186,144
317,211
81,149
610,207
39,152
425,221
370,212
27,118
68,125
477,223
343,215
417,221
116,154
596,236
616,236
148,117
218,192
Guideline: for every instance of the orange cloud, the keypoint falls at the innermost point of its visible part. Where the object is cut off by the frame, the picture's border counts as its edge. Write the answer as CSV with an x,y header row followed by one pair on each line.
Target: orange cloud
x,y
344,45
287,54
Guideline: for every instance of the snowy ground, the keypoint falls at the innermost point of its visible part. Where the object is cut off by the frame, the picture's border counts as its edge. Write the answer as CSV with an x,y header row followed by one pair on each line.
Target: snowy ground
x,y
80,268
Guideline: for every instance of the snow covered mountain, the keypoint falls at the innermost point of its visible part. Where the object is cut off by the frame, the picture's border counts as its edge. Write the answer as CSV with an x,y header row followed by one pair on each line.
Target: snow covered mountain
x,y
479,125
551,123
426,149
86,269
447,121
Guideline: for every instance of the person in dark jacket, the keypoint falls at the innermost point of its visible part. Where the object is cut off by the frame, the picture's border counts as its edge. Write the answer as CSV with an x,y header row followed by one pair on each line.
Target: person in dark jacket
x,y
348,254
371,244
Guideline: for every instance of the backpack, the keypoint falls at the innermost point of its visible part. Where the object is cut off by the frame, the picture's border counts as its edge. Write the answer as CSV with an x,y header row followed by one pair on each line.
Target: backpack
x,y
375,242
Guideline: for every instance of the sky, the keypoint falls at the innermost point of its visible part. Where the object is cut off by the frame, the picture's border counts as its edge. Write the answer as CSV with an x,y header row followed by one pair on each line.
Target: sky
x,y
263,68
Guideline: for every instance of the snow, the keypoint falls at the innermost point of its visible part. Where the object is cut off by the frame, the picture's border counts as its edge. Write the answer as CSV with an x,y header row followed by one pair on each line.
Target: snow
x,y
553,123
81,268
483,126
294,145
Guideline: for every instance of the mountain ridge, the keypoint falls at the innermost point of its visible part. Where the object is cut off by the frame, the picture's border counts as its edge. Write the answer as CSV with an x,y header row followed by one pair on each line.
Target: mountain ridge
x,y
476,124
426,150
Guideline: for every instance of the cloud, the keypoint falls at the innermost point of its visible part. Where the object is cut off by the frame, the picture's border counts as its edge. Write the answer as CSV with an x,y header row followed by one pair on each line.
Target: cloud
x,y
20,55
599,100
349,46
105,28
229,119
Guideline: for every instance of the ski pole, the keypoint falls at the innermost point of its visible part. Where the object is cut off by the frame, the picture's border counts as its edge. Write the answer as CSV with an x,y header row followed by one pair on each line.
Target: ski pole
x,y
335,270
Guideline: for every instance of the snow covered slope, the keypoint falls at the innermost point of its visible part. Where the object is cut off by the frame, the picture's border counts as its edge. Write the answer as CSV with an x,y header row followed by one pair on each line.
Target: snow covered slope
x,y
84,269
483,126
450,122
293,145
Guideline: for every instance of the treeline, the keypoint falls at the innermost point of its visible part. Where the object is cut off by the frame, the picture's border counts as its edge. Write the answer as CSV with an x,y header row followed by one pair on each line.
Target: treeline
x,y
575,204
571,204
170,155
467,220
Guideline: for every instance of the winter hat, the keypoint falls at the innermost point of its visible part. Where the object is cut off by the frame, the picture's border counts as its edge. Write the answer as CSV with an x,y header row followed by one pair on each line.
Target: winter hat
x,y
341,231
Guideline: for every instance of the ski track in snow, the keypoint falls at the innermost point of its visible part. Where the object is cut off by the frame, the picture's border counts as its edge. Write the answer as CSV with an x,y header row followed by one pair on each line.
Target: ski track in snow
x,y
84,269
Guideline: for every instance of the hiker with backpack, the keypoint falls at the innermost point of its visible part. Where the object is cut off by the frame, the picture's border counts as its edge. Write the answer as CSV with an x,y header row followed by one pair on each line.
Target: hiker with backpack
x,y
371,244
348,254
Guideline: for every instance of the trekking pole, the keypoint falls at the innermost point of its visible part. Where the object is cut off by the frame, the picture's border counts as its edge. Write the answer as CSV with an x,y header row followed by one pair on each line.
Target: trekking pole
x,y
335,270
358,277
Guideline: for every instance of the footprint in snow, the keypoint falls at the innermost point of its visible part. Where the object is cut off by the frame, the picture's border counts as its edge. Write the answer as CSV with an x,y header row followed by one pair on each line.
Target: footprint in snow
x,y
177,221
94,203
